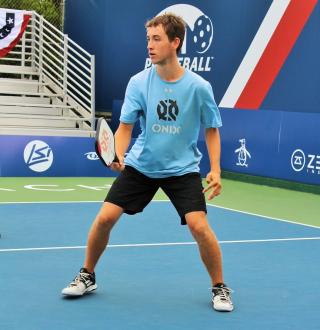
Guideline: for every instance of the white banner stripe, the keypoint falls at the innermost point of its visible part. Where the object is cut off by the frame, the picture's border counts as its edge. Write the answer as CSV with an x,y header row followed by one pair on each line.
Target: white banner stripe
x,y
254,53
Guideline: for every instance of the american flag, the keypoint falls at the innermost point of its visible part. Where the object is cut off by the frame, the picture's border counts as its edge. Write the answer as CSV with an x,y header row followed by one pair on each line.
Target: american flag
x,y
12,26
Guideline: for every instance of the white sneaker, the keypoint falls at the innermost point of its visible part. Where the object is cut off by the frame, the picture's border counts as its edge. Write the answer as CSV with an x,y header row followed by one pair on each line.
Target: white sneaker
x,y
83,282
221,298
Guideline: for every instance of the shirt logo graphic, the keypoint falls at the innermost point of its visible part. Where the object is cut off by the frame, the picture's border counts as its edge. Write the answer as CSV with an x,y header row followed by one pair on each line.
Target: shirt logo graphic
x,y
168,110
38,156
243,153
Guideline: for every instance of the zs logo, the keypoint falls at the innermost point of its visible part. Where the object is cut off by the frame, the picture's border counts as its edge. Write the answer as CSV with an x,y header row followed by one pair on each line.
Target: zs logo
x,y
299,161
167,110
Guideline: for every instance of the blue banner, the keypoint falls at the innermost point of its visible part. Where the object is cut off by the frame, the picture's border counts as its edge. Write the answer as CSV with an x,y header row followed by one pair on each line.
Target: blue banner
x,y
277,144
49,156
229,43
258,60
283,145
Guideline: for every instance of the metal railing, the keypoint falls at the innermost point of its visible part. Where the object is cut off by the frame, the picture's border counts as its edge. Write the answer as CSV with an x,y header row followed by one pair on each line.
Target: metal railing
x,y
59,62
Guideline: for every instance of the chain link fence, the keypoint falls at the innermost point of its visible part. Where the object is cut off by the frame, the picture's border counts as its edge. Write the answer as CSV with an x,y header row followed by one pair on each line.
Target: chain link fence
x,y
51,10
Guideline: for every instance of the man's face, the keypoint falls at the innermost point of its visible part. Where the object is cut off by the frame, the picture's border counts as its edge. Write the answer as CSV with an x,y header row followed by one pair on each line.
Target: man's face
x,y
160,48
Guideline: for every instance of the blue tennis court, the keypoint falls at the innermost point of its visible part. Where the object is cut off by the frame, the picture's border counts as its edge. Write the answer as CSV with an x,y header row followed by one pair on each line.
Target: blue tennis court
x,y
151,277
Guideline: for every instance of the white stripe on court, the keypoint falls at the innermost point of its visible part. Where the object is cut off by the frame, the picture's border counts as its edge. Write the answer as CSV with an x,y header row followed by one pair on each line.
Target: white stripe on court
x,y
162,244
263,216
254,53
167,201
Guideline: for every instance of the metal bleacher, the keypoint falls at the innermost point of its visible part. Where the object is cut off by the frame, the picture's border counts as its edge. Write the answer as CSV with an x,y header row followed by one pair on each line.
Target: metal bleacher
x,y
47,84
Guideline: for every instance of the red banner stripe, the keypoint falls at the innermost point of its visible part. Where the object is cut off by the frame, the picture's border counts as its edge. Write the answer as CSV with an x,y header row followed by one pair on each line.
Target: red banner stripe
x,y
275,54
6,50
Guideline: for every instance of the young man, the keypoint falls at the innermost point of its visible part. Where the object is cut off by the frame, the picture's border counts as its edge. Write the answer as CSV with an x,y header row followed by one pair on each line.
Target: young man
x,y
171,104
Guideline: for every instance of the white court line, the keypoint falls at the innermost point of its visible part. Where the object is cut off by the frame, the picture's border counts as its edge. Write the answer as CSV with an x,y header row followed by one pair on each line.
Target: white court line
x,y
263,216
163,244
167,201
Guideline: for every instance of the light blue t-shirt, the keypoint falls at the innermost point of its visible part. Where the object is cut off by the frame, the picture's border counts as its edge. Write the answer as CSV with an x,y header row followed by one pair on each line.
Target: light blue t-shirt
x,y
170,115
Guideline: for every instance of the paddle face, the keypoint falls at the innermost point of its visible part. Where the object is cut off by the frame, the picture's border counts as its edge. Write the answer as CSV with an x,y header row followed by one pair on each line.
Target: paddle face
x,y
105,142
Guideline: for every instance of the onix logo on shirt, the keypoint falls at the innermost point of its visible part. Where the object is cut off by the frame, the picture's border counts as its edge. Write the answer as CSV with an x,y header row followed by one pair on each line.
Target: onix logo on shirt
x,y
168,110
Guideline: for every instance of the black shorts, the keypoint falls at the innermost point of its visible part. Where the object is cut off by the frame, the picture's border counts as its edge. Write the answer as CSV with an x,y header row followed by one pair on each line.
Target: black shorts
x,y
133,191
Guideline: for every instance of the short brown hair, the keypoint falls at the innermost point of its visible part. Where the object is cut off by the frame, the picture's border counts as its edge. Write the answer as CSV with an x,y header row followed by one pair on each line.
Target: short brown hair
x,y
173,25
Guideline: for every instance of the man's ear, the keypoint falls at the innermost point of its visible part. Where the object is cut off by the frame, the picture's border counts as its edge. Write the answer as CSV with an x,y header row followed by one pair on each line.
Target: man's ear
x,y
176,42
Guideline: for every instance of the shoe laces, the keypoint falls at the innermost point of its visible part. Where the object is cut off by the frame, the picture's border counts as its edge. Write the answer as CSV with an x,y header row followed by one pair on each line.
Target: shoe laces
x,y
223,292
81,278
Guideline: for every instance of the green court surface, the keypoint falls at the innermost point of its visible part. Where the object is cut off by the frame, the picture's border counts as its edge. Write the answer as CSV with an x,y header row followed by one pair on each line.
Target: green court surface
x,y
296,206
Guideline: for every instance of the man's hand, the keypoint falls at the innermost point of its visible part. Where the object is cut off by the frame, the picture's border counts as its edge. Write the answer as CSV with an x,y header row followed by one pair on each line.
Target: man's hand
x,y
118,165
214,184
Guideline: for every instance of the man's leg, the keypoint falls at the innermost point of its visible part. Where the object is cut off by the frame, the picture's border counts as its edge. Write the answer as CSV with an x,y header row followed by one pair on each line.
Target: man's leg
x,y
99,233
208,244
133,191
211,256
98,239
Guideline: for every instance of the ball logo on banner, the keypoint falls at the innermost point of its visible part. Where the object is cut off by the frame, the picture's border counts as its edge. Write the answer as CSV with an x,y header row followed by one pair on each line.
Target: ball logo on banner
x,y
198,38
38,156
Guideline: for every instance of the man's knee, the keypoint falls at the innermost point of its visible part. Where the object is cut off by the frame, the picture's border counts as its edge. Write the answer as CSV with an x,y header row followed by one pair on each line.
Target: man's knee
x,y
108,215
198,224
105,220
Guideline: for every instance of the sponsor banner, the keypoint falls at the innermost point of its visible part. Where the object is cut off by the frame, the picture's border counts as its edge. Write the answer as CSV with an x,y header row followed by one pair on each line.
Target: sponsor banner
x,y
249,141
273,144
250,66
50,156
300,146
283,145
